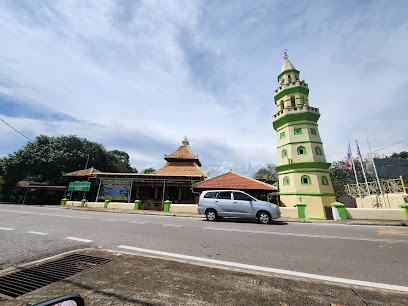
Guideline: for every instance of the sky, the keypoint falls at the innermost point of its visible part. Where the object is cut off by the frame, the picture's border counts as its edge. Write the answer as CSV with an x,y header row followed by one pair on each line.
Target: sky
x,y
139,75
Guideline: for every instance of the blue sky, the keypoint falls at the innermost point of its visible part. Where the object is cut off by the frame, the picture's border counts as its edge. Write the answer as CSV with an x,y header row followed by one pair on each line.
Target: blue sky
x,y
139,75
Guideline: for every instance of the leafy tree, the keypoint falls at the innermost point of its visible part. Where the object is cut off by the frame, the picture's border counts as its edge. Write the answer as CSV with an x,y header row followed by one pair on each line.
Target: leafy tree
x,y
341,175
48,157
267,172
148,170
403,154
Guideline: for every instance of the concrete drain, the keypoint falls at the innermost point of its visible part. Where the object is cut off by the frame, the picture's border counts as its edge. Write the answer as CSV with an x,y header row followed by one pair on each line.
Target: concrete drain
x,y
24,281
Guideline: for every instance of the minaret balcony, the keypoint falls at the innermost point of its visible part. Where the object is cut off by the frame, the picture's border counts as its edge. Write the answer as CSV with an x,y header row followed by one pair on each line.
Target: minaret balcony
x,y
295,110
291,84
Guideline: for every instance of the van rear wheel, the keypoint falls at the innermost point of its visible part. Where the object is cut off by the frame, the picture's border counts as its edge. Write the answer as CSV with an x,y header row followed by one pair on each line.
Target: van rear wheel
x,y
264,217
211,215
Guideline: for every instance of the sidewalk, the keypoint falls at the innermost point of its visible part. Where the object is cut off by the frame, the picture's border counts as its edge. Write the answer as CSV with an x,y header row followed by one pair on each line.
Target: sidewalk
x,y
196,215
131,279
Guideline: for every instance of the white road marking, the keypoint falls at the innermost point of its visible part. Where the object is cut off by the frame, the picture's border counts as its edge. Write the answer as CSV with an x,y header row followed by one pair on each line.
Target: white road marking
x,y
138,222
37,233
78,239
270,270
305,235
7,228
173,225
110,220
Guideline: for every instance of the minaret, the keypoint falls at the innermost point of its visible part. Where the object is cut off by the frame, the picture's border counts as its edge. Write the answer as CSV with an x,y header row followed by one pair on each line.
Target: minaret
x,y
302,167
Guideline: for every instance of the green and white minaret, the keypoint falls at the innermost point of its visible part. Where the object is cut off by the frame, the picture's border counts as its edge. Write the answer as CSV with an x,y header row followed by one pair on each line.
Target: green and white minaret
x,y
302,167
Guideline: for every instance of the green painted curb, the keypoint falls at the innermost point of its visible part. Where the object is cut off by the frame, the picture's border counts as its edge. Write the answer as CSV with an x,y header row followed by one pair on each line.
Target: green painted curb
x,y
83,202
405,208
166,205
64,201
317,218
106,204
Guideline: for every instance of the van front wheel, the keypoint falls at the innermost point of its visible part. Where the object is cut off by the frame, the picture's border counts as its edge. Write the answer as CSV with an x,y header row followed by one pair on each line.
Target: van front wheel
x,y
211,215
264,217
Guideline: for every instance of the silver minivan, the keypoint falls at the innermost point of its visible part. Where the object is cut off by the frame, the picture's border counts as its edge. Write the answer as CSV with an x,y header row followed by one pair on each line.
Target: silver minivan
x,y
235,203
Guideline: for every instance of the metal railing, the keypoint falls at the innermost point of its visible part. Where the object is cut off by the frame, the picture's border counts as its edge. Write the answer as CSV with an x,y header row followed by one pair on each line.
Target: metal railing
x,y
388,186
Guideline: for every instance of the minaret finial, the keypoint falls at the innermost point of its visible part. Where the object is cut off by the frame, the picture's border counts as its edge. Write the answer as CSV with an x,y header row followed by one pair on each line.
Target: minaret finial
x,y
185,141
285,55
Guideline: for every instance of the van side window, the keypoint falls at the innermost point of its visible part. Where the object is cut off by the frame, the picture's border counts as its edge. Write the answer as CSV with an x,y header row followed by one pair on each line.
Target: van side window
x,y
224,195
241,197
210,195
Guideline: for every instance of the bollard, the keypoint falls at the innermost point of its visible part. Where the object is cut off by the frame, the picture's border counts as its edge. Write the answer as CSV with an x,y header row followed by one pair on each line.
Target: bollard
x,y
64,201
138,205
405,208
301,209
340,210
106,203
167,205
83,202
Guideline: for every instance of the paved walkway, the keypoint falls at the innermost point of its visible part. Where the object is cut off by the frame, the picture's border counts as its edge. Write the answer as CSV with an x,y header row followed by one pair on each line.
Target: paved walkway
x,y
140,280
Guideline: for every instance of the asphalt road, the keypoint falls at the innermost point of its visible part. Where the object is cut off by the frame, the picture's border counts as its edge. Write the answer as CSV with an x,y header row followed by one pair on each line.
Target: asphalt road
x,y
365,253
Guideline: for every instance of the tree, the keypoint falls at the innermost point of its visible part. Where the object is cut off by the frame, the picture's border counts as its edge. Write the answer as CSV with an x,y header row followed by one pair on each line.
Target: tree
x,y
148,170
47,157
403,154
341,175
267,172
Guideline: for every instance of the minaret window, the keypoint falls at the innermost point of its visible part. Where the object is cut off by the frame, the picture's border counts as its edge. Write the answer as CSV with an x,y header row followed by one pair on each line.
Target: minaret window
x,y
286,181
303,100
325,181
298,131
318,151
284,154
313,131
282,135
282,106
301,151
292,101
305,180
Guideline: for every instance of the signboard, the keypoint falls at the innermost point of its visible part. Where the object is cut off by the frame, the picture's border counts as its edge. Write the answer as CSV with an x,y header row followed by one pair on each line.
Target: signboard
x,y
391,167
79,186
115,189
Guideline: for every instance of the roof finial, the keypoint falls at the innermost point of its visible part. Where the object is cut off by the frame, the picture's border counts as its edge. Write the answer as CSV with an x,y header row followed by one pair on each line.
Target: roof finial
x,y
285,55
185,141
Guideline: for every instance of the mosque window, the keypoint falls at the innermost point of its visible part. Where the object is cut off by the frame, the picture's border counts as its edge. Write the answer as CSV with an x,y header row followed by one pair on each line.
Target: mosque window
x,y
318,151
282,135
286,181
282,105
292,101
298,131
284,153
303,100
313,131
301,151
305,180
325,181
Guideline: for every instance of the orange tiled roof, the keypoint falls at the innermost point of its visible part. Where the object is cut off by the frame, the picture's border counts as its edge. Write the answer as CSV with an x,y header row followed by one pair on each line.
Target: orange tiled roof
x,y
181,168
232,180
85,172
182,152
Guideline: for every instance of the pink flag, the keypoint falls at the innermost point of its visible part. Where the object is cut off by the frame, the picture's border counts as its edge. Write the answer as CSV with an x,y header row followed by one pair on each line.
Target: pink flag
x,y
349,161
359,155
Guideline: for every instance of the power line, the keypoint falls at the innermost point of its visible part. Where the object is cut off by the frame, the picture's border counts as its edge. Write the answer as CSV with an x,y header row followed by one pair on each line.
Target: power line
x,y
15,129
391,145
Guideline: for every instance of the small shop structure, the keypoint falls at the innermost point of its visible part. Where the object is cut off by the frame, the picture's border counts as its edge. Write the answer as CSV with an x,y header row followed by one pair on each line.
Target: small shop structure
x,y
171,182
235,181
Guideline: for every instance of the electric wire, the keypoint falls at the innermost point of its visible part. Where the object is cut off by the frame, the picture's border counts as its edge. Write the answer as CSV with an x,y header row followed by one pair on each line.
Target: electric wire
x,y
15,129
391,145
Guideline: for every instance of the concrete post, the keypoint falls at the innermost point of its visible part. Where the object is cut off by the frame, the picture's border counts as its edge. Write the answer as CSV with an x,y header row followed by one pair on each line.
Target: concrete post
x,y
137,205
167,205
302,210
341,211
64,201
106,203
83,202
405,208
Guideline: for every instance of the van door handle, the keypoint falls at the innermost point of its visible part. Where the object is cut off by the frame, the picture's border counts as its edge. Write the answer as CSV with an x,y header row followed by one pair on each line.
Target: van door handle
x,y
216,201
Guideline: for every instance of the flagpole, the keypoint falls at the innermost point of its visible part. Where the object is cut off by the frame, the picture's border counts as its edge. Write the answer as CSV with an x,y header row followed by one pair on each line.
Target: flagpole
x,y
355,174
376,174
365,178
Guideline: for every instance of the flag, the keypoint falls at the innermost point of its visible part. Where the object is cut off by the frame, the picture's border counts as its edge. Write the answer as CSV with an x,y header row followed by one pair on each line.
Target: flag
x,y
359,155
349,160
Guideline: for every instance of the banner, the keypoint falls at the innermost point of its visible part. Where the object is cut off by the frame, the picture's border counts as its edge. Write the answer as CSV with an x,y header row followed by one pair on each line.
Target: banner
x,y
115,189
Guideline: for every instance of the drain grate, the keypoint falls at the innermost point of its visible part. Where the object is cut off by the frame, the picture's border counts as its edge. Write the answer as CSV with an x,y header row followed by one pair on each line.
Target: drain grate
x,y
21,282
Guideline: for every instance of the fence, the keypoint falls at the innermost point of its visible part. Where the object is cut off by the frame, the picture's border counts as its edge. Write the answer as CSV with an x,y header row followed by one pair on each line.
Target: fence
x,y
388,186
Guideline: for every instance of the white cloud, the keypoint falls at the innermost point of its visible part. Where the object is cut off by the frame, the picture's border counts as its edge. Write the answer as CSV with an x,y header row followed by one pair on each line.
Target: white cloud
x,y
138,76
